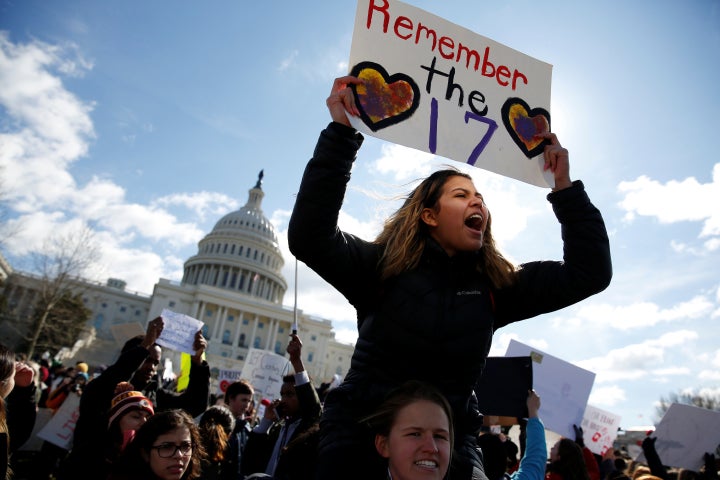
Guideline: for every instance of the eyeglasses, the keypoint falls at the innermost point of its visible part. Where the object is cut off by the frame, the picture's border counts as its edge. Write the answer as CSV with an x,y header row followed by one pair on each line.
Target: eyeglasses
x,y
167,450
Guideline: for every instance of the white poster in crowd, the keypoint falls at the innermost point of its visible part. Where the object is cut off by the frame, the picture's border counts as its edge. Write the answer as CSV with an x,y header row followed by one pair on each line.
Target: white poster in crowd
x,y
225,378
685,434
59,429
600,428
563,387
265,370
179,331
432,85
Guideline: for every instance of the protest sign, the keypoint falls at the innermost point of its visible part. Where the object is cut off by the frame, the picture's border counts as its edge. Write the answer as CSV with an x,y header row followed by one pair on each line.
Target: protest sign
x,y
600,428
563,387
437,87
59,429
178,331
502,390
264,370
225,378
685,434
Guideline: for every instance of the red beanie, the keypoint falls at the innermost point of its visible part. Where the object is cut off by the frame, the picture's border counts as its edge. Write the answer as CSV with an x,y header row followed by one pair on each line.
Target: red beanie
x,y
125,399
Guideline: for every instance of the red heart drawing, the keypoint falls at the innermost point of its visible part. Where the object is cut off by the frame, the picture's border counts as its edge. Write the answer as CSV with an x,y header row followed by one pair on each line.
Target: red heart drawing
x,y
523,123
383,99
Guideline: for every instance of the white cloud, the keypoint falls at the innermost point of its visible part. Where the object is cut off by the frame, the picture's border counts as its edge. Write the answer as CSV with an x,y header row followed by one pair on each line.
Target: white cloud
x,y
49,129
607,396
288,61
636,315
675,201
402,163
636,361
712,360
201,203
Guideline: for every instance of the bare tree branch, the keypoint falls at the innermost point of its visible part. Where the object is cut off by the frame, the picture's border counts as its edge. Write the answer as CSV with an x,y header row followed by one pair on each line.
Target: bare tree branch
x,y
64,259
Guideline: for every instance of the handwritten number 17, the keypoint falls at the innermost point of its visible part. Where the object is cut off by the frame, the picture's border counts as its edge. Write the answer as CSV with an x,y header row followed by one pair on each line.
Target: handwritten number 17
x,y
432,140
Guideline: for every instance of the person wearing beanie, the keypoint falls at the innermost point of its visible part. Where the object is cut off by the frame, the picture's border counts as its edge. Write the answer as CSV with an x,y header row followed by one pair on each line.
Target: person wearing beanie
x,y
129,410
138,362
82,367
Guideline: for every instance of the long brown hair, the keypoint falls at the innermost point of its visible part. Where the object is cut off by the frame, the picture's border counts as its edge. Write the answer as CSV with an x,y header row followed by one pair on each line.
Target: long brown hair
x,y
404,234
7,370
571,462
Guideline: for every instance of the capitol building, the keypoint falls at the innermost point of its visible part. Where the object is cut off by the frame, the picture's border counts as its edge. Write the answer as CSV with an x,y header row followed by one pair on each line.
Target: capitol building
x,y
233,284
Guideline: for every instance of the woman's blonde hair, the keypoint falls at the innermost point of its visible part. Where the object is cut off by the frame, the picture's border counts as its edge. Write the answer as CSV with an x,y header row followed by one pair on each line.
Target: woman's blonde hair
x,y
404,234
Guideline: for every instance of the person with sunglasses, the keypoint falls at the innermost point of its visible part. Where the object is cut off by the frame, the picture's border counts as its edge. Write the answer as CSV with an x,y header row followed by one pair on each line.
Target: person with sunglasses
x,y
166,447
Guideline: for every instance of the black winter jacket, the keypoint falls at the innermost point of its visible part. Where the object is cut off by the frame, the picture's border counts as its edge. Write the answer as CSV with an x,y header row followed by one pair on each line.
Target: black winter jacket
x,y
433,323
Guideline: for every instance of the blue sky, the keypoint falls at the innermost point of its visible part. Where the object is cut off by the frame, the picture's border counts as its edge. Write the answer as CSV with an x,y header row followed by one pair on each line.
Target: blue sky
x,y
150,120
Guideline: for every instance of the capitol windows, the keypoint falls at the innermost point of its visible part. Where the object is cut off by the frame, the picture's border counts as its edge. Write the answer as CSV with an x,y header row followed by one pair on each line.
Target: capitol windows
x,y
240,250
256,342
226,337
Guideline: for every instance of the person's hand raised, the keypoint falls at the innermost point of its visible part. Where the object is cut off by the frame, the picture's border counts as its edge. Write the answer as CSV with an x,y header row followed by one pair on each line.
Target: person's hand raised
x,y
557,160
200,344
342,100
23,374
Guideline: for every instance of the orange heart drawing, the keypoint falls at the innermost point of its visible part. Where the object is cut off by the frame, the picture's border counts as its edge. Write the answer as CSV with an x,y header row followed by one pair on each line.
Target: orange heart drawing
x,y
383,99
523,123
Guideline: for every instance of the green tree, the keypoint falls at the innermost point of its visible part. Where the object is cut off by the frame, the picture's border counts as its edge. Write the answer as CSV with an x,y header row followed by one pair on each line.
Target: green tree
x,y
703,398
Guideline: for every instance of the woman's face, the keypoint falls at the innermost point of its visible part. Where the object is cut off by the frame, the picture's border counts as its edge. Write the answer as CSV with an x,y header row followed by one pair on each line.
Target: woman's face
x,y
133,419
418,446
459,220
173,467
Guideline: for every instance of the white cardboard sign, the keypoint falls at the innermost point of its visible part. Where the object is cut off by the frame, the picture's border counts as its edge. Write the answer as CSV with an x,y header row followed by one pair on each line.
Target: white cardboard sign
x,y
60,428
179,331
564,388
685,434
265,370
600,429
440,88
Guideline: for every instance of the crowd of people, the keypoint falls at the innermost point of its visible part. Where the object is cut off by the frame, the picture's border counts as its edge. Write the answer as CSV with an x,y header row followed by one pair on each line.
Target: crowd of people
x,y
411,432
429,291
